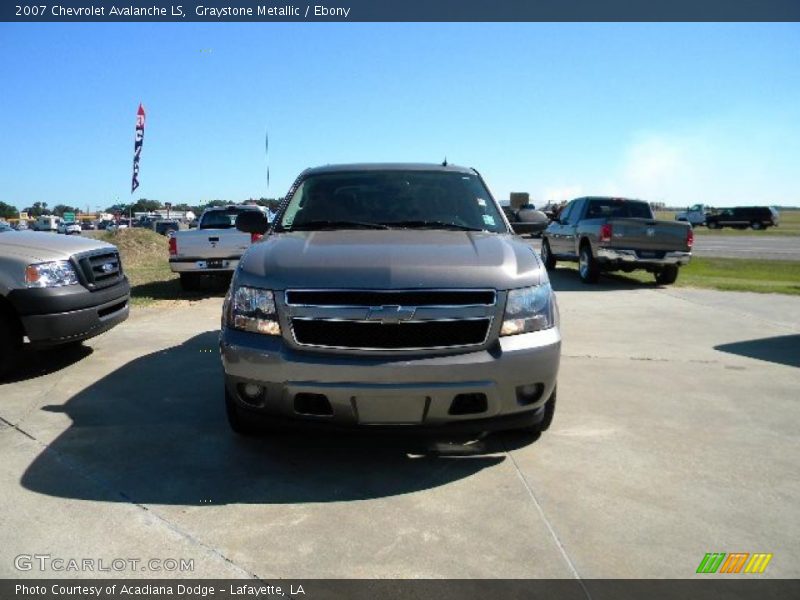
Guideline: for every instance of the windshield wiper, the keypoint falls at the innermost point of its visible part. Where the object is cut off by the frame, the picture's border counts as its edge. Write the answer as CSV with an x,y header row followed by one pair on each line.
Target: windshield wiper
x,y
324,224
431,225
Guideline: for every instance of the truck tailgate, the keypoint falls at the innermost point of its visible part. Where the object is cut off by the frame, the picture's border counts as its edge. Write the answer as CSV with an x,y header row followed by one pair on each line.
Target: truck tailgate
x,y
649,235
211,243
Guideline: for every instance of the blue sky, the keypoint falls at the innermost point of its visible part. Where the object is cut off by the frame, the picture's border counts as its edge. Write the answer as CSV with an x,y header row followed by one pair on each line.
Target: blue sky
x,y
680,113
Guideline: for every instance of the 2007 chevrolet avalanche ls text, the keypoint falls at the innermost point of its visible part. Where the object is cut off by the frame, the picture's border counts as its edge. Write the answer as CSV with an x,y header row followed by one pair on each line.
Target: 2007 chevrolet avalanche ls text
x,y
390,295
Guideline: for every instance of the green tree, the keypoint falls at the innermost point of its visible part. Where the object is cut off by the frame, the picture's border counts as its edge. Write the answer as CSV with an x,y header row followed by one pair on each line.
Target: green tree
x,y
60,209
145,205
7,211
37,210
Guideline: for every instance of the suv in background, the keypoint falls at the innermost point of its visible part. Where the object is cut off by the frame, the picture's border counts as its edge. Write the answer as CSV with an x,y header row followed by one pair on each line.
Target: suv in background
x,y
742,217
390,296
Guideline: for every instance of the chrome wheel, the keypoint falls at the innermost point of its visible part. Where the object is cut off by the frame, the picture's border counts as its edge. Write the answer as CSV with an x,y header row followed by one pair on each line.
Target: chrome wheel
x,y
583,264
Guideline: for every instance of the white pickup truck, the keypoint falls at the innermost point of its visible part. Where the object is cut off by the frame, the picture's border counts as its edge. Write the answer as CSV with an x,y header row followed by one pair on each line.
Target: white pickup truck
x,y
213,248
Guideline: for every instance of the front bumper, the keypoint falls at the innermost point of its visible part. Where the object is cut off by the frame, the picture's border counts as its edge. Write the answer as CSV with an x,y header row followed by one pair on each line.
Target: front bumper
x,y
52,316
632,258
201,265
406,391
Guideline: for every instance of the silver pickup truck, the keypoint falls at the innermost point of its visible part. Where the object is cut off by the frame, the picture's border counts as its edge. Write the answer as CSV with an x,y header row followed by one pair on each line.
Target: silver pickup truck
x,y
56,289
390,295
616,234
213,248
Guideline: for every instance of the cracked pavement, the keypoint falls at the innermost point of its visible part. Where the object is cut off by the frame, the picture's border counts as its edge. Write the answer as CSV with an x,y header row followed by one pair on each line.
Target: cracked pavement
x,y
675,435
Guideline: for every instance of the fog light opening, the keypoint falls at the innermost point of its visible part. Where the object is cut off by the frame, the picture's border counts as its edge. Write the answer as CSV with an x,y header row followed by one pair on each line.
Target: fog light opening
x,y
251,393
529,393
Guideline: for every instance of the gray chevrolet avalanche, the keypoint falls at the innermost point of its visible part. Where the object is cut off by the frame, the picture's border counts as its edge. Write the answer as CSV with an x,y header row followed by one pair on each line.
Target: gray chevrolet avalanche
x,y
390,295
56,289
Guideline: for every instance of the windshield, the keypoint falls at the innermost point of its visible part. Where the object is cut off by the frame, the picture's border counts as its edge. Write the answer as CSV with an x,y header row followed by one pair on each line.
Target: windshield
x,y
221,219
619,208
392,198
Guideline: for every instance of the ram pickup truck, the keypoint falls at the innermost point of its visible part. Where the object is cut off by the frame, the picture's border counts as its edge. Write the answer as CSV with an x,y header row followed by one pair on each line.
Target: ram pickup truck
x,y
612,234
214,247
390,296
55,290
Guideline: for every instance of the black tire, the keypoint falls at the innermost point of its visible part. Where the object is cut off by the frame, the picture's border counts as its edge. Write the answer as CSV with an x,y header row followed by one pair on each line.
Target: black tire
x,y
713,225
588,269
10,345
190,281
547,420
757,225
667,275
238,418
547,256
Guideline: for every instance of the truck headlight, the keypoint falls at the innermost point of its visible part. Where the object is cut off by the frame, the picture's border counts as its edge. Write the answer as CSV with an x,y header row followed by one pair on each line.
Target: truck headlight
x,y
529,309
50,274
253,309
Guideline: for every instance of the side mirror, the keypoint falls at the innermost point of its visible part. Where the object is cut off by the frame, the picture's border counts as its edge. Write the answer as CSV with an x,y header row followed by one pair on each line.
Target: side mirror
x,y
252,221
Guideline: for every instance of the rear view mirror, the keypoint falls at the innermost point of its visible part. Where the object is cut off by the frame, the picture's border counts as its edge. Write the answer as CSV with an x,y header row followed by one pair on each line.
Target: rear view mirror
x,y
252,221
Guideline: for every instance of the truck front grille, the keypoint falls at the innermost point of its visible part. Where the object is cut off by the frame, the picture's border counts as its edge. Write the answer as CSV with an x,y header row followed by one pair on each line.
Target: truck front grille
x,y
391,297
100,270
390,320
411,335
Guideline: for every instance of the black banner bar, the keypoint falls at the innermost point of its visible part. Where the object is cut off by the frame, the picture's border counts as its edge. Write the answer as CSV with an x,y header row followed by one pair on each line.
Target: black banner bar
x,y
717,588
398,10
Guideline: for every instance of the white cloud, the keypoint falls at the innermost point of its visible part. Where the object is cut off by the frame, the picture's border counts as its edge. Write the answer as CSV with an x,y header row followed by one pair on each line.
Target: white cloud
x,y
720,164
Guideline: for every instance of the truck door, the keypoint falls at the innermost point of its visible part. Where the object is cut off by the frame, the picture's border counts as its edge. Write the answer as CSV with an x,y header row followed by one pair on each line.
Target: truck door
x,y
570,226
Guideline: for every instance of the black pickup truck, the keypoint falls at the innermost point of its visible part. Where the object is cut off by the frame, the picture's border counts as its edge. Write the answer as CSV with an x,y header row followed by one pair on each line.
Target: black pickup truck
x,y
616,234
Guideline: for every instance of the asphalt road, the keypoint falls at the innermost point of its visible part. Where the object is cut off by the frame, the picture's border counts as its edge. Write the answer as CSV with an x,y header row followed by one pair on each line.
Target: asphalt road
x,y
751,246
675,435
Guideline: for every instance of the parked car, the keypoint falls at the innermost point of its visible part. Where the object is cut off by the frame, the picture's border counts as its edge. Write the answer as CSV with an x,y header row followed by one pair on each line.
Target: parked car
x,y
20,225
164,227
214,248
696,215
612,234
742,217
56,290
69,228
526,219
390,295
88,225
117,225
5,227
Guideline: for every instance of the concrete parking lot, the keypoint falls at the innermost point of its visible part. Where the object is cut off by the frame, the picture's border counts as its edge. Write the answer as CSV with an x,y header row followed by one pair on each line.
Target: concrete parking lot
x,y
675,435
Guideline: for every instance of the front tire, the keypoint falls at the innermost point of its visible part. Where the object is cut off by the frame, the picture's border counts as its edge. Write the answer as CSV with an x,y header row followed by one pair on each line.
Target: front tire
x,y
10,345
547,419
237,418
588,269
547,256
756,225
667,275
714,225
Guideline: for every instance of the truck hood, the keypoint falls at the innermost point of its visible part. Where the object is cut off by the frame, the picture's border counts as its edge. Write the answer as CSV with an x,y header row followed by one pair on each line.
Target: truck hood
x,y
390,259
43,246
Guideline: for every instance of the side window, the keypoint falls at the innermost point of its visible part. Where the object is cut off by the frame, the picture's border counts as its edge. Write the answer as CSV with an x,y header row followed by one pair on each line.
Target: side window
x,y
564,215
575,214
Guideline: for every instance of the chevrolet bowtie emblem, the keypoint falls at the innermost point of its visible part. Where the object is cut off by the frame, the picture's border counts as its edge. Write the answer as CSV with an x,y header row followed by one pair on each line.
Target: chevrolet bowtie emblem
x,y
391,314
